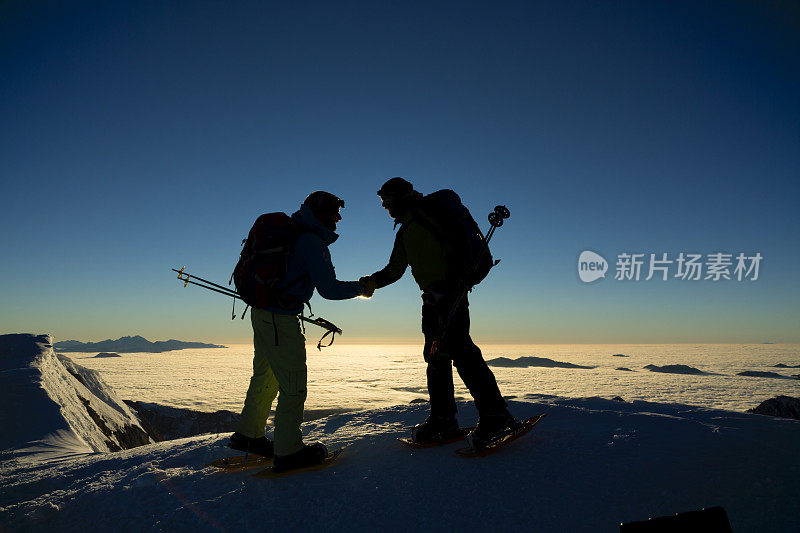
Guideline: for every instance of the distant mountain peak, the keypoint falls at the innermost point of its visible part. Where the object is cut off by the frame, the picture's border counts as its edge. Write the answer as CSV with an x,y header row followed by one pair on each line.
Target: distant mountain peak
x,y
130,344
134,337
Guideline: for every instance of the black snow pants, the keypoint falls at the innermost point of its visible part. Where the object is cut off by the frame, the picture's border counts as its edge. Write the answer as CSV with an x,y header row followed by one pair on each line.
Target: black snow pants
x,y
455,348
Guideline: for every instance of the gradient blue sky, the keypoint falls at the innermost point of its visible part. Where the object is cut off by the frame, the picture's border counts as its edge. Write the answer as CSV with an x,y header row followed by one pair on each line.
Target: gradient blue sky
x,y
140,136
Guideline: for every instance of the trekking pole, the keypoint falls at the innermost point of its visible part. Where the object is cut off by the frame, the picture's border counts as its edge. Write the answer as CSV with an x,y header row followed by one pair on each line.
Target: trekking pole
x,y
182,273
496,219
184,277
331,328
226,293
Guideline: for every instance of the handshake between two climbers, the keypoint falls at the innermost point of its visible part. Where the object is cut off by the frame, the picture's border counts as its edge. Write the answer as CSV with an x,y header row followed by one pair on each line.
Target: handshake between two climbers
x,y
369,286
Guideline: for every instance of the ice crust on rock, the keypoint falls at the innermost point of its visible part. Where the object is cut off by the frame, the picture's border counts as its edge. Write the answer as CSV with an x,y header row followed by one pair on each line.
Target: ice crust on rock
x,y
57,408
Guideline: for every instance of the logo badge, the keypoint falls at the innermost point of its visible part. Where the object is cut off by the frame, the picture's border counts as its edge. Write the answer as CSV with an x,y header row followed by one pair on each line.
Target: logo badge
x,y
591,266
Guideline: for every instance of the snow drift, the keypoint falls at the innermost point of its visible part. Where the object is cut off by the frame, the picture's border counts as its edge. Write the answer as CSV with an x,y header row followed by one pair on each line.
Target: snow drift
x,y
54,407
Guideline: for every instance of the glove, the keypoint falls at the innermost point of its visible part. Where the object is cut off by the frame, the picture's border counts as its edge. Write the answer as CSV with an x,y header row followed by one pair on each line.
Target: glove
x,y
369,286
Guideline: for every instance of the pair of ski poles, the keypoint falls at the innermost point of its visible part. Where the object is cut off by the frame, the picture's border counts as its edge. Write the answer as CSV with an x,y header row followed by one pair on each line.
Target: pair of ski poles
x,y
496,219
186,278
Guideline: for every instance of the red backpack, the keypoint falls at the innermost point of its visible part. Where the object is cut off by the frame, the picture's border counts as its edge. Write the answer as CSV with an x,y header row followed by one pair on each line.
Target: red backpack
x,y
263,261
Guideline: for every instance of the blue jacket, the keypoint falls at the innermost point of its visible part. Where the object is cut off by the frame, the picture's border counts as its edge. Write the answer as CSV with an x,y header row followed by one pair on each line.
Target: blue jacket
x,y
309,265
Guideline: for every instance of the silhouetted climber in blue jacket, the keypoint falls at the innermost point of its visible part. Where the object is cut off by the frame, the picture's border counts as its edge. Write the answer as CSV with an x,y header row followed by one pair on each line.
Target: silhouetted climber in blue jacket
x,y
279,364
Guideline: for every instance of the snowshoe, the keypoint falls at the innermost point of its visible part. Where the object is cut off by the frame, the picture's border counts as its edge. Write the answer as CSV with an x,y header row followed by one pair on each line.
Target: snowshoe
x,y
308,455
436,430
241,462
490,428
261,445
500,439
270,471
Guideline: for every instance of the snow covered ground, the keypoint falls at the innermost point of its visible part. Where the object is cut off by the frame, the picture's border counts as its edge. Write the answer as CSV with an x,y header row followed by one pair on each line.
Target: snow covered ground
x,y
591,464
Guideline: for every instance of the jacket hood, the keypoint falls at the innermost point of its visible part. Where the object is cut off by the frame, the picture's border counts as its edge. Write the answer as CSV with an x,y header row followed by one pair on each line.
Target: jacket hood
x,y
305,217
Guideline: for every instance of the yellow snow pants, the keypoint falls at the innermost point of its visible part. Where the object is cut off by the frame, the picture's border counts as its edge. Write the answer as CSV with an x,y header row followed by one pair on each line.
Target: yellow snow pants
x,y
279,369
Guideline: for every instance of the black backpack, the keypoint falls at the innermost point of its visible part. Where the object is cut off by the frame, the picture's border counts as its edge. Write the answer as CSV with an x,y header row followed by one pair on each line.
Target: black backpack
x,y
263,261
450,221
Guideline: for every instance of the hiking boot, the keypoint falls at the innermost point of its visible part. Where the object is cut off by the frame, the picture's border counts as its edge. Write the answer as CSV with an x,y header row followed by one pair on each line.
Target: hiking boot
x,y
261,445
436,429
491,427
308,455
